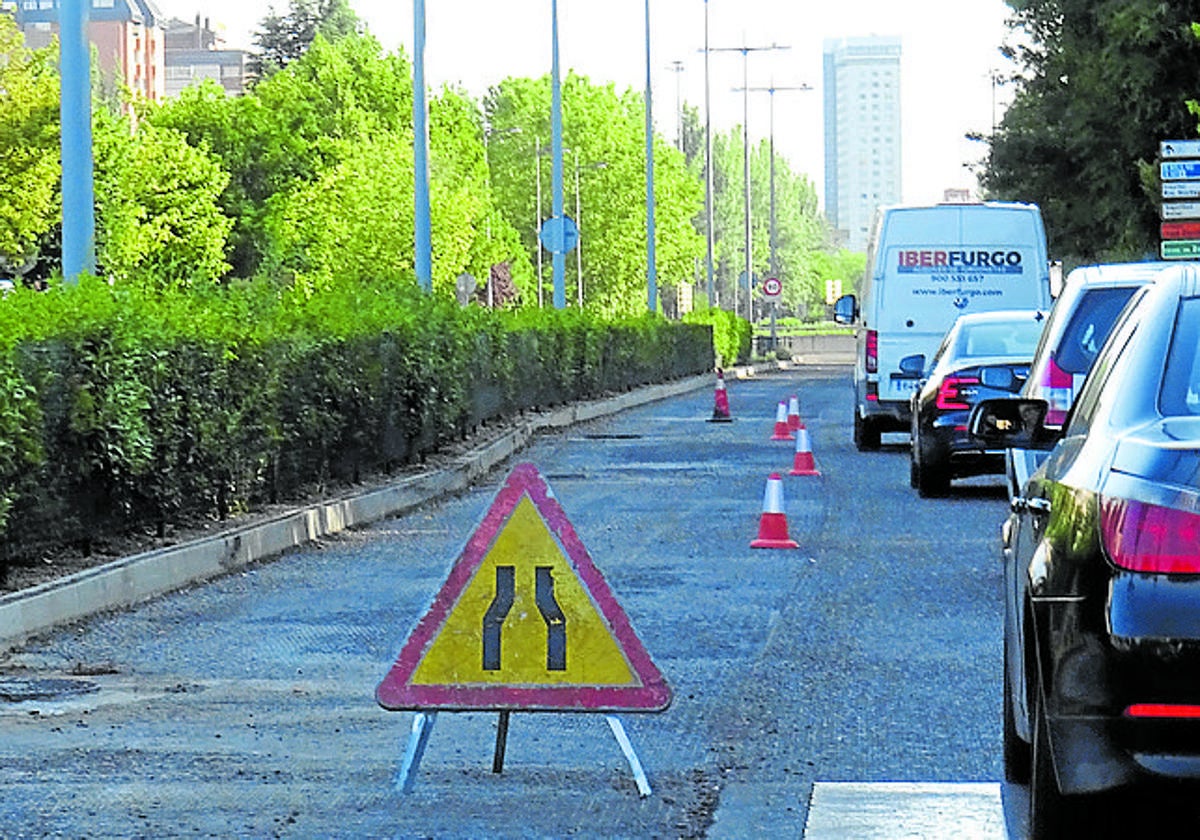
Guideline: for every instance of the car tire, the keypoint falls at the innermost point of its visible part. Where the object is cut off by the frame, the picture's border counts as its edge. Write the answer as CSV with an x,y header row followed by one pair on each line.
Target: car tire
x,y
1050,812
866,434
914,469
932,476
1016,751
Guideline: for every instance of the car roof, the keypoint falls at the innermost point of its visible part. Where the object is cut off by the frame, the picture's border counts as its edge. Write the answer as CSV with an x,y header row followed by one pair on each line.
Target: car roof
x,y
1115,274
1005,315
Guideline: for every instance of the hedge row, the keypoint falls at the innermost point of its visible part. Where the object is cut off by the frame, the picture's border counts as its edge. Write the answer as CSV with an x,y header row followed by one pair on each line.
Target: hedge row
x,y
121,409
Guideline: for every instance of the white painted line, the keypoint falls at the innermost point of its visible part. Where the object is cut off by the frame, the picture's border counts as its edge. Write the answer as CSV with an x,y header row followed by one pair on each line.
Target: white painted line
x,y
892,810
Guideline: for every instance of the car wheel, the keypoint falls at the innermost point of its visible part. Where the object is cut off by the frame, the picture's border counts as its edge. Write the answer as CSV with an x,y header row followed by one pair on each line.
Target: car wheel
x,y
1016,751
914,469
866,434
1049,810
933,476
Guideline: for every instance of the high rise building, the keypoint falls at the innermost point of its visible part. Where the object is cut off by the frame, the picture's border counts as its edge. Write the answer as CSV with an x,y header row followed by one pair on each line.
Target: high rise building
x,y
862,133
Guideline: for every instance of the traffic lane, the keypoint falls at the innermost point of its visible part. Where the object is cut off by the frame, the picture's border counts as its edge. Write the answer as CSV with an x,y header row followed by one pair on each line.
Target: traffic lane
x,y
885,663
247,704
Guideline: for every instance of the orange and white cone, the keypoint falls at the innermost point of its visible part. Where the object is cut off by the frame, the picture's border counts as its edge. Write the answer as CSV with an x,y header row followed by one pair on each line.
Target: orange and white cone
x,y
720,401
781,425
803,463
772,527
793,416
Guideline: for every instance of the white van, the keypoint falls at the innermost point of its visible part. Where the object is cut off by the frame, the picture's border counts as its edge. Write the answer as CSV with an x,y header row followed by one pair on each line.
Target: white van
x,y
926,265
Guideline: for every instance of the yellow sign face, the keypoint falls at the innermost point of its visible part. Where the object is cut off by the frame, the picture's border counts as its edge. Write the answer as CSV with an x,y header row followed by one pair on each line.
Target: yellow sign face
x,y
525,560
525,620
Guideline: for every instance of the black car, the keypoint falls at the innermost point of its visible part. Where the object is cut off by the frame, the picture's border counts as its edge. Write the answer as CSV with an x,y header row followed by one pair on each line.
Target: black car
x,y
985,354
1102,567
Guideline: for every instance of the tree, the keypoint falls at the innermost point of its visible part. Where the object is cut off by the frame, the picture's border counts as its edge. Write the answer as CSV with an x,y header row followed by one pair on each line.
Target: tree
x,y
1098,86
159,222
284,39
30,204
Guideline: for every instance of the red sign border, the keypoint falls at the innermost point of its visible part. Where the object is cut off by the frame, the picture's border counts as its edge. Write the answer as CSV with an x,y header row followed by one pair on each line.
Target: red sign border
x,y
396,693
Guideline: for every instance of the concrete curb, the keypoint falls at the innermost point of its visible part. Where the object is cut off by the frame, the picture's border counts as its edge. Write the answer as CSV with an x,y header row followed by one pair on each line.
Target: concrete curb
x,y
130,580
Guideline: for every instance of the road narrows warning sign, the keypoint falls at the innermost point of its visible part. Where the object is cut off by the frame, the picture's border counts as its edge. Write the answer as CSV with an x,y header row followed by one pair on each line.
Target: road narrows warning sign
x,y
524,621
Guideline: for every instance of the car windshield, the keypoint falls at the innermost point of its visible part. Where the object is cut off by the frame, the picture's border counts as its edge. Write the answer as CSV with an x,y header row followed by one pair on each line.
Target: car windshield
x,y
1089,327
1181,384
999,338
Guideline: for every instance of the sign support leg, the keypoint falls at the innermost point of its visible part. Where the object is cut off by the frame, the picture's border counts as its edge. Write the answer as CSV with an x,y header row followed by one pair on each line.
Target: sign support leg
x,y
418,738
501,742
639,775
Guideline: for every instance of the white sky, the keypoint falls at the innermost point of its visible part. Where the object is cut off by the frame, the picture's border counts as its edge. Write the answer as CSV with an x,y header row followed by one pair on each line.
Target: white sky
x,y
949,48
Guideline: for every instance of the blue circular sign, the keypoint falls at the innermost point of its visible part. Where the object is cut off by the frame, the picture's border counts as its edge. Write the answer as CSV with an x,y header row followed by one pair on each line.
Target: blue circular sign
x,y
559,234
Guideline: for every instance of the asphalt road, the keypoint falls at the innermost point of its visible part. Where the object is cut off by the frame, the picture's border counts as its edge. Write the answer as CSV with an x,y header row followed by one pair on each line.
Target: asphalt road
x,y
245,707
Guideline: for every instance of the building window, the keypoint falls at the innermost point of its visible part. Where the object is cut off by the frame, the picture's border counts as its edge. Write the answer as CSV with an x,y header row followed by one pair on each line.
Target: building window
x,y
102,4
45,4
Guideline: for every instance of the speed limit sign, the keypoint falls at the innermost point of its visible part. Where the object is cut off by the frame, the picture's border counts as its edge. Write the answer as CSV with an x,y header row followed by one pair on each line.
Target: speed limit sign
x,y
772,288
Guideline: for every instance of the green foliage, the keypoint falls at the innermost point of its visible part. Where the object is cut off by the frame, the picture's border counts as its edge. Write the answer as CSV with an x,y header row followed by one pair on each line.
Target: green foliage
x,y
1098,86
284,39
158,217
129,405
29,147
730,334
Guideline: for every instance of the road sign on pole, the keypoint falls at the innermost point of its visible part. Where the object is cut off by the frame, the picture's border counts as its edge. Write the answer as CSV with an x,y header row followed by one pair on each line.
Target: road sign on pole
x,y
1179,170
1181,189
559,235
1180,249
772,289
1181,210
1179,149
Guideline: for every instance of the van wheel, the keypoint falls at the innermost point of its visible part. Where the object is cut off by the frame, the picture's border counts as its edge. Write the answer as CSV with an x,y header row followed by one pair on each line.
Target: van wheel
x,y
866,434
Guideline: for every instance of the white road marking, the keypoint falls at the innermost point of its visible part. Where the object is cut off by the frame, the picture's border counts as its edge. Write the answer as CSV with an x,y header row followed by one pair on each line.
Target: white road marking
x,y
893,810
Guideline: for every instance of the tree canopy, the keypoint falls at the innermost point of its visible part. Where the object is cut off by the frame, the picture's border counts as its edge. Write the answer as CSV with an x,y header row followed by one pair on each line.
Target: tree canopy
x,y
1098,85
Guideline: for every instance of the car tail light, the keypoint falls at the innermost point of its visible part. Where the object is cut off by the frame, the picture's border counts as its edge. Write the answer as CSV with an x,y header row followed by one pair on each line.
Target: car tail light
x,y
872,351
1149,538
1058,389
951,394
1162,710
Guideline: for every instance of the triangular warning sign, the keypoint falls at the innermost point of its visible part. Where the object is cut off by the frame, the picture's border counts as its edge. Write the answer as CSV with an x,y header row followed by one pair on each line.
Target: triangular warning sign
x,y
525,621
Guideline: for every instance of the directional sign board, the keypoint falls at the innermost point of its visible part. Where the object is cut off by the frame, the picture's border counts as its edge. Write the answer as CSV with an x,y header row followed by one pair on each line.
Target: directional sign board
x,y
1181,189
1181,210
1179,149
525,621
1180,249
1179,170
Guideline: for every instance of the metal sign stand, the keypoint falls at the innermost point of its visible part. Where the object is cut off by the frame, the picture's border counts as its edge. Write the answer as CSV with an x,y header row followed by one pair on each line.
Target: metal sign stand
x,y
422,727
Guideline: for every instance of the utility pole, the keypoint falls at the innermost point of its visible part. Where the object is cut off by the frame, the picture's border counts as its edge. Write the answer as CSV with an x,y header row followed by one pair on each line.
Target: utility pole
x,y
771,236
677,68
745,51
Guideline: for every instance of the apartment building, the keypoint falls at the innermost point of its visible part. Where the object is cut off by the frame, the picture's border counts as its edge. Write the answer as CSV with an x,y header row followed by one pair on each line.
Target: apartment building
x,y
862,133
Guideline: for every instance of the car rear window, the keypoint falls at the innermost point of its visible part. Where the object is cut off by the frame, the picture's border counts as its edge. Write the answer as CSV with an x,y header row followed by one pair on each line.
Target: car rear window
x,y
1011,338
1181,383
1089,328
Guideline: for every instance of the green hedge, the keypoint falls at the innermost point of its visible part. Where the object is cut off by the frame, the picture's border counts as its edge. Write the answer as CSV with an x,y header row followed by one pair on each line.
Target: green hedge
x,y
731,334
123,409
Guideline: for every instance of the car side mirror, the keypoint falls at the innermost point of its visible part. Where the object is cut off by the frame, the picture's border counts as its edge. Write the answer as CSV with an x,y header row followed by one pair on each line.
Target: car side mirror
x,y
913,366
845,309
999,379
1012,423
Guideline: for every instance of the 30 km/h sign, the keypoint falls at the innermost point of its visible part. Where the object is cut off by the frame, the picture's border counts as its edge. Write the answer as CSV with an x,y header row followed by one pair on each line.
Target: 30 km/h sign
x,y
772,288
524,621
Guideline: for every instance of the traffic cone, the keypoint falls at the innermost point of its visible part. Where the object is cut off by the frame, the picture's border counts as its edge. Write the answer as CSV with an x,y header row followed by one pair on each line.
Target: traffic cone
x,y
772,527
720,401
781,424
793,415
803,464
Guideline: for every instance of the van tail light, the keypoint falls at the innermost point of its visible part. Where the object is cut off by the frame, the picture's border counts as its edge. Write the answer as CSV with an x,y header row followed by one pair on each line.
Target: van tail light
x,y
1149,538
951,396
872,351
1058,388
